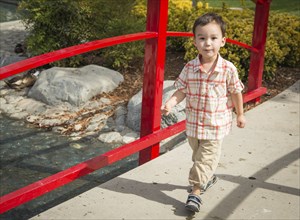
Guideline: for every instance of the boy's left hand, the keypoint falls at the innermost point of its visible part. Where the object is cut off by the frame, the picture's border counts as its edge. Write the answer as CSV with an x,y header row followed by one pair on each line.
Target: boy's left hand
x,y
241,121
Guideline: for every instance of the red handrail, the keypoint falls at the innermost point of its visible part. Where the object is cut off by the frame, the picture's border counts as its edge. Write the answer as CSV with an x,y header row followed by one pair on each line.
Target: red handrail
x,y
228,40
34,190
43,59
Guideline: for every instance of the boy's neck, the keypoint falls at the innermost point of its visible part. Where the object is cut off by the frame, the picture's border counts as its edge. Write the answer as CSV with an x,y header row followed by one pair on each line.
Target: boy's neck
x,y
208,64
208,61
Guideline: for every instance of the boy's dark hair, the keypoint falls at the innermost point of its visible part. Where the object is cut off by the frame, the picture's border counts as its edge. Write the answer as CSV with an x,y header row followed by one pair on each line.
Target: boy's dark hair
x,y
207,18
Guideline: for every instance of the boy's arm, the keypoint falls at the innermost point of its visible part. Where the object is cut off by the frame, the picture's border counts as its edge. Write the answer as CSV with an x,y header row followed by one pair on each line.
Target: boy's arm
x,y
176,98
237,100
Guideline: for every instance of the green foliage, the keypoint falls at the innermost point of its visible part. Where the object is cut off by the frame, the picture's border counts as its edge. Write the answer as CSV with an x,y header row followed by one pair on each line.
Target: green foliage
x,y
179,20
282,47
57,24
54,24
285,30
290,6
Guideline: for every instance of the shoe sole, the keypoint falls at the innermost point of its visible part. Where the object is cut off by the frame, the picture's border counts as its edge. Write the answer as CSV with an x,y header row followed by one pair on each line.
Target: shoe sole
x,y
192,208
193,203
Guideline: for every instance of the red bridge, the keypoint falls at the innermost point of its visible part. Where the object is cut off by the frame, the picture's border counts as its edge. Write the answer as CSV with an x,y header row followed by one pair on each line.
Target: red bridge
x,y
154,60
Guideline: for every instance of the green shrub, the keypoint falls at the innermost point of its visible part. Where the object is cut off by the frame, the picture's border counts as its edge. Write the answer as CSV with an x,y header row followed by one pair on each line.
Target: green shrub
x,y
285,30
179,20
55,25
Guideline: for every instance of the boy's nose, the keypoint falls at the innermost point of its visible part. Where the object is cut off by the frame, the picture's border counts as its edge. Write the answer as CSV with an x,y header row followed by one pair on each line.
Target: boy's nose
x,y
208,42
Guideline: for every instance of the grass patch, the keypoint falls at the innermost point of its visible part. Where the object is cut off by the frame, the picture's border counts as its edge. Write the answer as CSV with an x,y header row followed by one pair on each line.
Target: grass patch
x,y
290,6
287,6
230,3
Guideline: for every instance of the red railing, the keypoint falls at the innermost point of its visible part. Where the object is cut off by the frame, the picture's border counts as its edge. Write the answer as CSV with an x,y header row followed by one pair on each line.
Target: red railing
x,y
228,40
41,60
50,183
151,134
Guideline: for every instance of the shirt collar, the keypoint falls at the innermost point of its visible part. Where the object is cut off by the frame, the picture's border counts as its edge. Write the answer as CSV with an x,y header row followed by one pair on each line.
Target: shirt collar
x,y
218,67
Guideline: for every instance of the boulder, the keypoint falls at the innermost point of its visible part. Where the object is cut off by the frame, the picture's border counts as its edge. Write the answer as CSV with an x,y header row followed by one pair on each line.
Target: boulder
x,y
120,118
111,137
75,86
135,104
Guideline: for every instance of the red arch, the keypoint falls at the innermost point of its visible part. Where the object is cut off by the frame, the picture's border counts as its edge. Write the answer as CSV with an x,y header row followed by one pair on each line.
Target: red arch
x,y
43,59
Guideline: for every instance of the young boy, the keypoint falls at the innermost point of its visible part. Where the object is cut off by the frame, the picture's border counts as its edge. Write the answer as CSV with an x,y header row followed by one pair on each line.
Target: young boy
x,y
210,85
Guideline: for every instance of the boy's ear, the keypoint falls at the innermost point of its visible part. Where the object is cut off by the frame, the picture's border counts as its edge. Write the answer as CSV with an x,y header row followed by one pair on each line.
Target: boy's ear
x,y
223,41
194,42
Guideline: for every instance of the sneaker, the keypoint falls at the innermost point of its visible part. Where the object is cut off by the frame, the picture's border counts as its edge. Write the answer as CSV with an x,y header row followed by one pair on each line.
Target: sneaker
x,y
209,184
193,203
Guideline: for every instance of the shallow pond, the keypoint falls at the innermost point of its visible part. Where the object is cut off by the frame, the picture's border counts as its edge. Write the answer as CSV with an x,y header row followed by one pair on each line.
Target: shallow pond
x,y
29,154
8,10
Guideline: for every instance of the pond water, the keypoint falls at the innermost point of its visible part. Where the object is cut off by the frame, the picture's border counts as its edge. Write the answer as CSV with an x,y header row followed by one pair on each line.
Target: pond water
x,y
8,10
29,154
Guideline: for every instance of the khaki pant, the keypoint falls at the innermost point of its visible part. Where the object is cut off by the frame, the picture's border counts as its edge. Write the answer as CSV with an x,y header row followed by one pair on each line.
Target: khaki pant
x,y
206,156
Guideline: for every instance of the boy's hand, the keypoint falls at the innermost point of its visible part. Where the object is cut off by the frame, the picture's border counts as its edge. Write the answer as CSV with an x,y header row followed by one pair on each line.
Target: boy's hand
x,y
177,97
165,109
241,121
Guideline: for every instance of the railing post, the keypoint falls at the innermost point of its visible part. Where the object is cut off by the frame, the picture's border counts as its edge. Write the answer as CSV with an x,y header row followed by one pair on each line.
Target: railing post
x,y
155,52
258,42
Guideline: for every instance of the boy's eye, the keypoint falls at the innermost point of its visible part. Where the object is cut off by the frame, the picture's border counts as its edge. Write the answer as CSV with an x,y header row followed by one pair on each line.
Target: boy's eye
x,y
201,38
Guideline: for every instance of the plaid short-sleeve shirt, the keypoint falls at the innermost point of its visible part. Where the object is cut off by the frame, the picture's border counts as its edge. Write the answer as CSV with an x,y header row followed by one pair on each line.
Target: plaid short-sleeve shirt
x,y
208,100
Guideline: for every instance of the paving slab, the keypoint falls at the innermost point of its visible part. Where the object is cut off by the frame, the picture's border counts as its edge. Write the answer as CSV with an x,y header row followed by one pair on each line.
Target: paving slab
x,y
258,171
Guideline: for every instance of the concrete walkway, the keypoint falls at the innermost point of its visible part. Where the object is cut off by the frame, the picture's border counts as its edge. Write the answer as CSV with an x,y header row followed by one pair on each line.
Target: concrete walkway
x,y
259,176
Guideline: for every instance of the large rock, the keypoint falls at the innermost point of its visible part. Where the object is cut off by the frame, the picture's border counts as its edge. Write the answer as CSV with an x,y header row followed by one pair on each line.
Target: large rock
x,y
135,105
74,85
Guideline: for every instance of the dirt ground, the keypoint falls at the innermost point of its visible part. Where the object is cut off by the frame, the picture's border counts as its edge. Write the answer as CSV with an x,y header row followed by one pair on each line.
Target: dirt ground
x,y
284,78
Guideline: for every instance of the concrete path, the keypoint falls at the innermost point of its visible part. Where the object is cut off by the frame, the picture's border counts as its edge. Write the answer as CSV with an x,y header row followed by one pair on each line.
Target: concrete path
x,y
259,176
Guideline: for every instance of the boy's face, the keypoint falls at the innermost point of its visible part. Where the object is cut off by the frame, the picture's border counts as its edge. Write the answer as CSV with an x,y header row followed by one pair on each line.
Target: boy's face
x,y
208,40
